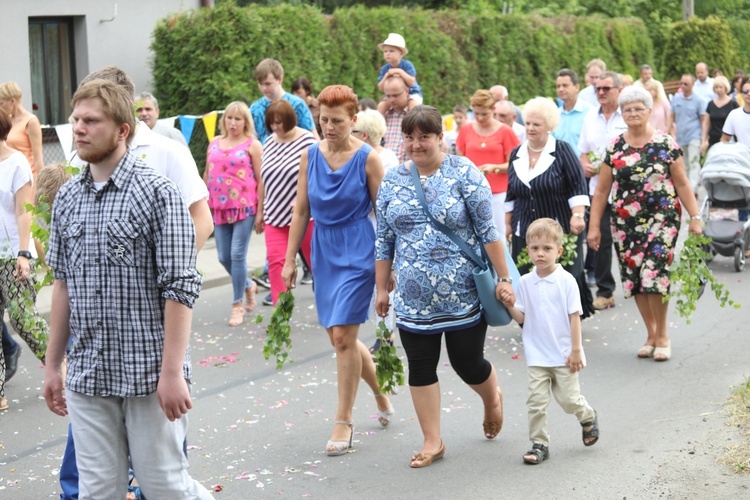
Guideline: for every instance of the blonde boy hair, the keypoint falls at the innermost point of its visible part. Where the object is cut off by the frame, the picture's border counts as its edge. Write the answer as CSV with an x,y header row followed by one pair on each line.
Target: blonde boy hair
x,y
545,227
49,181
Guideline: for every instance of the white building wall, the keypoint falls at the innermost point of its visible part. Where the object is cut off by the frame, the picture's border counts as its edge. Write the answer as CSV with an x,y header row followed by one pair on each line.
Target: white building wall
x,y
124,41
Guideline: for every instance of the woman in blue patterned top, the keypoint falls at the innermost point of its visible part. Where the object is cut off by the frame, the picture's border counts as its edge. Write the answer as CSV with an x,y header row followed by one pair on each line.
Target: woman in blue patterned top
x,y
435,289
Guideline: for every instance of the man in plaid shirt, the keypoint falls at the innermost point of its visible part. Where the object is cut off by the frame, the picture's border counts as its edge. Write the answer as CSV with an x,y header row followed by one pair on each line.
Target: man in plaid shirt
x,y
122,245
397,96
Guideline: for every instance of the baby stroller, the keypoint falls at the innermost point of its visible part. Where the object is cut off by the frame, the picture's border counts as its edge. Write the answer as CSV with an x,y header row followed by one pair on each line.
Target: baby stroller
x,y
726,177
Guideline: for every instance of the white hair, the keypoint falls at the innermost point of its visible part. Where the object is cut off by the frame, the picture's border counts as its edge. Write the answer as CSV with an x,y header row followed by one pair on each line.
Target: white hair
x,y
545,108
373,123
635,93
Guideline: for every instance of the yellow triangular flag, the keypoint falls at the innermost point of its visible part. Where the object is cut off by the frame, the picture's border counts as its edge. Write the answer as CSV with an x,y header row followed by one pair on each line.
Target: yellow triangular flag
x,y
209,122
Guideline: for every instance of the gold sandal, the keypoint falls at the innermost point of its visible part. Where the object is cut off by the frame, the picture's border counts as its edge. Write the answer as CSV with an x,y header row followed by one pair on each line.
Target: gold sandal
x,y
238,315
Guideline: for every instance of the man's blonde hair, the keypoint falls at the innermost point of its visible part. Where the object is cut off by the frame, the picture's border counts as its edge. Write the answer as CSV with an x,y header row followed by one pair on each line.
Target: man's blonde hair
x,y
118,105
545,227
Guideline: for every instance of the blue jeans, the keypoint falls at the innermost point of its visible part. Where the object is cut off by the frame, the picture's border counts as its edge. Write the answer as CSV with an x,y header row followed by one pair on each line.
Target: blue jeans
x,y
232,242
9,344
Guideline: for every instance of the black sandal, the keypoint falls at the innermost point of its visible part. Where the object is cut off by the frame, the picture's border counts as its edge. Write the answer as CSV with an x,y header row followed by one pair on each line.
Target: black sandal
x,y
591,433
540,452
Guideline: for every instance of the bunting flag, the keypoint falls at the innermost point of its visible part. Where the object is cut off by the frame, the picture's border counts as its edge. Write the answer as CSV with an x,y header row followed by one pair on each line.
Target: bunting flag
x,y
209,123
65,136
186,126
167,122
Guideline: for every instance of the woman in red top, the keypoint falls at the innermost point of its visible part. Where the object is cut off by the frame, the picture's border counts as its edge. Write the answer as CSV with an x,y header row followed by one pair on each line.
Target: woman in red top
x,y
488,143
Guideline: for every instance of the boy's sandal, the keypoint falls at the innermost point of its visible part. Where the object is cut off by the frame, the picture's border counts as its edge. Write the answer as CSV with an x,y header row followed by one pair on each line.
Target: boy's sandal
x,y
593,433
539,452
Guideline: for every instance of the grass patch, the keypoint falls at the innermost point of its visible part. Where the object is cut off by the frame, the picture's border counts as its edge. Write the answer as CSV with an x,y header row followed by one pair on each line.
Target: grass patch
x,y
737,456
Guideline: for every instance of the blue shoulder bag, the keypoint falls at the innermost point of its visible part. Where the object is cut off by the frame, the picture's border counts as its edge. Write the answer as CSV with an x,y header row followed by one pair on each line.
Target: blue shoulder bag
x,y
485,277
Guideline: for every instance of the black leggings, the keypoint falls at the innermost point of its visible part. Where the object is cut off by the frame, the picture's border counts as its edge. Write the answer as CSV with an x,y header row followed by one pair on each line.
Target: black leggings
x,y
465,352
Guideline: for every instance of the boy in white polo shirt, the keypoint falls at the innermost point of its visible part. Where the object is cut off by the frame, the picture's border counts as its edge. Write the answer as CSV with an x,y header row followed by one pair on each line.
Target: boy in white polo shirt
x,y
548,306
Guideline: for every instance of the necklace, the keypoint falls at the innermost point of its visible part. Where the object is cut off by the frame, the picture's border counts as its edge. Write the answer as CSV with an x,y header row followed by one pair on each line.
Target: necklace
x,y
536,150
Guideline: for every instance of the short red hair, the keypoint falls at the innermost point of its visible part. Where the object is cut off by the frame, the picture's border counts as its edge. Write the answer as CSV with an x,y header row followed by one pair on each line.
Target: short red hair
x,y
339,95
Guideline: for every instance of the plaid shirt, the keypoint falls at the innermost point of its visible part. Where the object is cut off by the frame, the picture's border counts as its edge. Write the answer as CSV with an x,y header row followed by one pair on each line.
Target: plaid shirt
x,y
393,137
123,251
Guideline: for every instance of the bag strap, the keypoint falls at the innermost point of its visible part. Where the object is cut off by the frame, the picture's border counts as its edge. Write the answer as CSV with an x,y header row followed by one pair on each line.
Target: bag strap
x,y
442,227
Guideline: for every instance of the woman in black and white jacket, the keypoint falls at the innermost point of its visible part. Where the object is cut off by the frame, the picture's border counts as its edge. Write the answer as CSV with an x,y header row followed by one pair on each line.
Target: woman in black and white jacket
x,y
545,179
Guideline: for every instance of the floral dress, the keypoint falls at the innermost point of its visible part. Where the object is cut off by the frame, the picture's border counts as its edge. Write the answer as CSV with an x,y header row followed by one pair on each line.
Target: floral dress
x,y
645,211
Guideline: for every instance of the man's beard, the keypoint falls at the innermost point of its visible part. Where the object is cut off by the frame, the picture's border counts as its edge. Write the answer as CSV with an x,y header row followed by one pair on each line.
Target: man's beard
x,y
94,154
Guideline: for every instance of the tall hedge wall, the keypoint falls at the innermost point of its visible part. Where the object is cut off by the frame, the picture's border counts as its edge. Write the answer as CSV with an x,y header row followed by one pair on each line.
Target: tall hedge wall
x,y
204,59
710,40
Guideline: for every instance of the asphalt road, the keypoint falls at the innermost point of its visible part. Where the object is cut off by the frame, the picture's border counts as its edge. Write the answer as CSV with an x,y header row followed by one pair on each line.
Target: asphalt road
x,y
257,433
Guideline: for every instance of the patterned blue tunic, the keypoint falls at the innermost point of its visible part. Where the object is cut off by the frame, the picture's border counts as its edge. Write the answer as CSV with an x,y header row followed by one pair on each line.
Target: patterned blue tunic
x,y
435,290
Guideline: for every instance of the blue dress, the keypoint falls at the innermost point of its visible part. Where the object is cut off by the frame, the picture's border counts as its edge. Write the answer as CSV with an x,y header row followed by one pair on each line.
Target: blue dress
x,y
343,244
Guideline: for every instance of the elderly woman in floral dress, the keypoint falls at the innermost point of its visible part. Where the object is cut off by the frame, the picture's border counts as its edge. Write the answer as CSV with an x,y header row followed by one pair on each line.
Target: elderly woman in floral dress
x,y
646,170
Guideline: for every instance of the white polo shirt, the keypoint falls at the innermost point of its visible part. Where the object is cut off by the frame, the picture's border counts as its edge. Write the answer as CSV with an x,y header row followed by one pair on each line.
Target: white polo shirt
x,y
547,303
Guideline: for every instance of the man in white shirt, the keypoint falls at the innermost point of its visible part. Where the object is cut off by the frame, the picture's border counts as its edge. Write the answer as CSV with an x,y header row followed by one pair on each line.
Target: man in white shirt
x,y
737,124
704,84
600,126
147,108
594,68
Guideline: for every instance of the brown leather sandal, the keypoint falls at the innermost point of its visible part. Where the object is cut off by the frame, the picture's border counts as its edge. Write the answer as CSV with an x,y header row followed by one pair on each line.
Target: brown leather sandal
x,y
426,459
492,429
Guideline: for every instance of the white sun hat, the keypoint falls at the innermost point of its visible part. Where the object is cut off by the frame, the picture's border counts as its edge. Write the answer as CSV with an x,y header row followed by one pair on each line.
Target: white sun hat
x,y
395,40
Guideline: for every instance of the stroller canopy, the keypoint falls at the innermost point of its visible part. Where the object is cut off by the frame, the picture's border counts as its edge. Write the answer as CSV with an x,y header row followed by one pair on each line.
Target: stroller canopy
x,y
726,173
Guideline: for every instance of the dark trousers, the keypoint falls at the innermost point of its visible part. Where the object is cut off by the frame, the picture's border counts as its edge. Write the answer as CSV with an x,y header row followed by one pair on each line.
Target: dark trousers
x,y
465,352
9,344
600,262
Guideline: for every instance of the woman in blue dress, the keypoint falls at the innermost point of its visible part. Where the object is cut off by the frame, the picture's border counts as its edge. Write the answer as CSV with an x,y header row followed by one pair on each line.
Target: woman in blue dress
x,y
338,185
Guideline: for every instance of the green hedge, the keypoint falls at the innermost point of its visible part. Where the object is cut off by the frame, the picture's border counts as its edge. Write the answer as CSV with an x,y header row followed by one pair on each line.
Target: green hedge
x,y
204,59
741,33
710,40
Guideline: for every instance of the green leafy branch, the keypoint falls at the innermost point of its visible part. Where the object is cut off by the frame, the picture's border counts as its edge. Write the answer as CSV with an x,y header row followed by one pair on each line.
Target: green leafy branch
x,y
278,338
690,274
389,370
568,257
